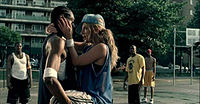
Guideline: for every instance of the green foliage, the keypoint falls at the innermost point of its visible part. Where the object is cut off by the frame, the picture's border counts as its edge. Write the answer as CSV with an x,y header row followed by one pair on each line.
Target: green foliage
x,y
145,23
150,22
195,22
8,37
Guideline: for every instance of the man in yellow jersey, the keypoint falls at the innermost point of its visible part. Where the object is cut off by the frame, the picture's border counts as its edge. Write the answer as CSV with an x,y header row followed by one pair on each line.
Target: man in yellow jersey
x,y
149,79
135,68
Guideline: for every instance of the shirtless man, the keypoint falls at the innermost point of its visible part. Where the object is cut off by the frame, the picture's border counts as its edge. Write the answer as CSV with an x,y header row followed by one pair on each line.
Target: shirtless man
x,y
149,79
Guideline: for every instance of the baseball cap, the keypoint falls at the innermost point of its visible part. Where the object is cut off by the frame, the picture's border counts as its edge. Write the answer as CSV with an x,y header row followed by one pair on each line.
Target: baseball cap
x,y
149,50
92,19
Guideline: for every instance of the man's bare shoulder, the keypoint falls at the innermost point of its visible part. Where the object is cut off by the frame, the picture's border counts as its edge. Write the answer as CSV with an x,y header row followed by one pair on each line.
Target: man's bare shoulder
x,y
56,40
55,43
154,59
10,56
27,56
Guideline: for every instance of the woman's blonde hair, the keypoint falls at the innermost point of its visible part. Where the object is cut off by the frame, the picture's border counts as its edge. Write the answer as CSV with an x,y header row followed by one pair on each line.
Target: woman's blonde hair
x,y
99,34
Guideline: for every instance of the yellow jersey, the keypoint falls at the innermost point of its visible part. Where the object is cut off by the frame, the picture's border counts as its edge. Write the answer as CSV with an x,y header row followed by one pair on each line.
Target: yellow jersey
x,y
134,68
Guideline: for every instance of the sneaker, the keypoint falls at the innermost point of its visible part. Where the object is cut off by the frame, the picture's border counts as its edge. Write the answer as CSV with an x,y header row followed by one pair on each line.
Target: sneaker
x,y
144,100
151,101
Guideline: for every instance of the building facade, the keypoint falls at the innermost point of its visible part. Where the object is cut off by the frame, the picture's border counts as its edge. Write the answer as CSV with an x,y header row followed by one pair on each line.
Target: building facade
x,y
29,18
188,9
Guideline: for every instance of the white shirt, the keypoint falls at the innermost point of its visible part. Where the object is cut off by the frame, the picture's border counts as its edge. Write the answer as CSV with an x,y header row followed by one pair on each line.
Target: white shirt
x,y
19,69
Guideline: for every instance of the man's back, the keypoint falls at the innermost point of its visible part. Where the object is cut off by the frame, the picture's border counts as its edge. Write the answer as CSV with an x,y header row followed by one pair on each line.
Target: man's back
x,y
43,95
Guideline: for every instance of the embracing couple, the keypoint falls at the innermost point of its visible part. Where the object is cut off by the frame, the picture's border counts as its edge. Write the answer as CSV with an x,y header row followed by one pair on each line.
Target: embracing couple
x,y
99,55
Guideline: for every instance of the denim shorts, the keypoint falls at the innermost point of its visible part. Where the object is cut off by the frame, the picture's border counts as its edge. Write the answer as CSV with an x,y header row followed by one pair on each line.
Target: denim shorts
x,y
77,97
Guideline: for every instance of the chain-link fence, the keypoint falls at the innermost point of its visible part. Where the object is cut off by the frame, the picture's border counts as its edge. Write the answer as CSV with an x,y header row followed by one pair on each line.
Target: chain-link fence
x,y
35,76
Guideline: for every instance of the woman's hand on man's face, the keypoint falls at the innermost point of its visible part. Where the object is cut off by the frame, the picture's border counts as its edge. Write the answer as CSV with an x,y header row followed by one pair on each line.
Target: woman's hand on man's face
x,y
65,26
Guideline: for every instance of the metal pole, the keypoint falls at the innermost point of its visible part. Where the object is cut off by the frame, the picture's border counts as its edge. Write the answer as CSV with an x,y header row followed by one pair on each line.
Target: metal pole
x,y
4,78
174,55
191,65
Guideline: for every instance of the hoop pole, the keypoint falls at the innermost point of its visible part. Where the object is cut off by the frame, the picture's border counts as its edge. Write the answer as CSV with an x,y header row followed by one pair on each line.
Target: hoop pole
x,y
174,56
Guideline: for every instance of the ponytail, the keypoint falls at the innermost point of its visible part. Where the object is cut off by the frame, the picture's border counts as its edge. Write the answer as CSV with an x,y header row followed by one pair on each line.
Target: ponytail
x,y
107,38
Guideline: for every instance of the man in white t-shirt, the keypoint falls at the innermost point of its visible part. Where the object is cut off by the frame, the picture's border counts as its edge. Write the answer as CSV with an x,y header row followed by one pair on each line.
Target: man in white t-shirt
x,y
19,76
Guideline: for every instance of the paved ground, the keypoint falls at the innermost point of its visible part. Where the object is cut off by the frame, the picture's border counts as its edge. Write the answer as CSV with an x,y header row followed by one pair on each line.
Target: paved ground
x,y
165,92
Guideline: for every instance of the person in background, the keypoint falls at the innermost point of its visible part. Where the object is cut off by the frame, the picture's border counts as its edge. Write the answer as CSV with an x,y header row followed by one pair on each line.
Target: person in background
x,y
149,79
19,76
135,68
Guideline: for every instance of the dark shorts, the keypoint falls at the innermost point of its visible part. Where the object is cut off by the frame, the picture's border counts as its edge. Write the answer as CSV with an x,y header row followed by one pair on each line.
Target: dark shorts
x,y
19,91
134,94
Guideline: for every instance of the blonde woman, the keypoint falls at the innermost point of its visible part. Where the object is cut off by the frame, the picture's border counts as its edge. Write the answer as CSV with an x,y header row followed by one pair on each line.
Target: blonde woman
x,y
97,59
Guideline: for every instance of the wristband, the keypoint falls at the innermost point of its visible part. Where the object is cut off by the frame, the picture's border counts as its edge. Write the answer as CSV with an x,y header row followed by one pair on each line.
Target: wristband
x,y
50,72
70,42
29,67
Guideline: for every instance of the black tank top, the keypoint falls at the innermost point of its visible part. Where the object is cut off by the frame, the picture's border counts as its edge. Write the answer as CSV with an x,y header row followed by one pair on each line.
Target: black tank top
x,y
70,72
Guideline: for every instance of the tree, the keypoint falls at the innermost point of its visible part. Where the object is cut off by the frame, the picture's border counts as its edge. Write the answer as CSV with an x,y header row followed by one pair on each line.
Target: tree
x,y
195,22
145,23
8,37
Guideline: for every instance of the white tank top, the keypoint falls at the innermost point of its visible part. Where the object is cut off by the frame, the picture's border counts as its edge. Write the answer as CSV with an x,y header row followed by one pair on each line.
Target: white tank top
x,y
19,70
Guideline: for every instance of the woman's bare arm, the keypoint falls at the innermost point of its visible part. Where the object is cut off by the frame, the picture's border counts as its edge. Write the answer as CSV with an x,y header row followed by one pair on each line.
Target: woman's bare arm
x,y
96,53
